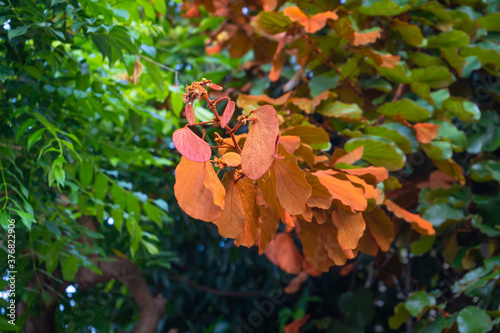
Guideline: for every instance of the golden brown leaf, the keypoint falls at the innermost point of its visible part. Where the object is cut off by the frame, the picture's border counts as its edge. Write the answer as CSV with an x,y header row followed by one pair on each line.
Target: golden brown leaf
x,y
320,196
417,222
248,196
350,228
260,146
380,173
290,142
198,190
363,38
268,225
232,159
352,157
228,113
292,188
138,69
367,244
232,220
380,227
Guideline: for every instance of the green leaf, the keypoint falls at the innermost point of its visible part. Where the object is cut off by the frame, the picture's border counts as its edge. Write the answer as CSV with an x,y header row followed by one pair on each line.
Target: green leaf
x,y
313,136
52,257
463,109
418,302
19,31
378,151
406,108
423,245
401,315
320,83
86,174
272,22
402,142
100,186
341,110
473,320
411,33
384,7
69,268
485,171
5,326
152,249
119,195
133,206
490,22
117,216
438,150
160,6
439,213
177,102
435,77
4,219
155,73
453,38
35,137
154,214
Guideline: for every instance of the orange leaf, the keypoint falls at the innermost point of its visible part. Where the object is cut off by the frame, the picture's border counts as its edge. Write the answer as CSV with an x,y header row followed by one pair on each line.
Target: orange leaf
x,y
214,86
417,222
268,225
191,145
228,113
290,142
320,247
248,196
311,24
437,179
278,62
320,196
260,146
389,61
380,173
380,227
309,105
343,190
362,38
189,111
251,100
426,132
367,244
294,326
352,157
267,185
369,191
296,283
350,228
232,220
198,190
232,159
310,269
292,188
283,253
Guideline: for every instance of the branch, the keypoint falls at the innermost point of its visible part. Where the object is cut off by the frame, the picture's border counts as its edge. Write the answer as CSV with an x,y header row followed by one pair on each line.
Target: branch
x,y
213,291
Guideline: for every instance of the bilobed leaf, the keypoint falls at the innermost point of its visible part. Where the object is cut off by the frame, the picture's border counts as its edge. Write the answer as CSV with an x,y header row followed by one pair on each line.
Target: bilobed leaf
x,y
351,227
343,190
191,146
198,190
232,220
260,146
282,252
311,24
378,151
248,196
189,111
292,188
406,108
426,132
380,227
228,114
417,222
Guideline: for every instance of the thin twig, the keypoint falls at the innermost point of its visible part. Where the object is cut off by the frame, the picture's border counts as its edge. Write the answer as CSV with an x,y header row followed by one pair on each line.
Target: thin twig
x,y
164,67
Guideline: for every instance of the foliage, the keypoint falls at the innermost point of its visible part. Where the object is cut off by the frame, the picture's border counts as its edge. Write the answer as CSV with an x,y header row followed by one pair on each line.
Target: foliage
x,y
388,109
